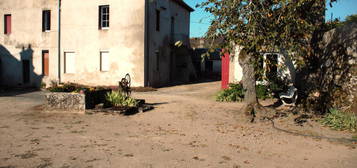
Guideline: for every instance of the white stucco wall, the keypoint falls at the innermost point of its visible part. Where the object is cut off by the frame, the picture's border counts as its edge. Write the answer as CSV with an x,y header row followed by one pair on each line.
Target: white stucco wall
x,y
26,40
283,70
80,34
124,40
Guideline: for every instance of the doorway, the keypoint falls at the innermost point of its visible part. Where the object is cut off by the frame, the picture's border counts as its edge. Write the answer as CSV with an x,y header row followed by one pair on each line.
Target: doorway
x,y
271,66
26,71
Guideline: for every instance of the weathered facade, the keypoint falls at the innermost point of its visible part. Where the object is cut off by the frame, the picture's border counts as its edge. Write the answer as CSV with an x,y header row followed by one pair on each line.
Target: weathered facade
x,y
273,64
100,41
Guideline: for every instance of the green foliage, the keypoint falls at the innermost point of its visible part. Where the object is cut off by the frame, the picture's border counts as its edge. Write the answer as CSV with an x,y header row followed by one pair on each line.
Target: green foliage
x,y
285,26
43,85
339,120
354,137
117,98
234,93
67,87
262,92
264,26
351,19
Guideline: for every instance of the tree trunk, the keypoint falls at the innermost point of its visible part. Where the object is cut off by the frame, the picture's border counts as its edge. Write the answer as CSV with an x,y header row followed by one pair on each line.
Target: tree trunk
x,y
250,97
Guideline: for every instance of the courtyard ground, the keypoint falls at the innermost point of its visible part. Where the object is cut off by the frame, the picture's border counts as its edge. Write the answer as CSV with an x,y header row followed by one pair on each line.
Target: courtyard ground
x,y
187,129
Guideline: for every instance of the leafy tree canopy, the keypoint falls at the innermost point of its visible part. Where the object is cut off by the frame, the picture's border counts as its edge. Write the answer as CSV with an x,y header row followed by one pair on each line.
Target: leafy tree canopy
x,y
265,25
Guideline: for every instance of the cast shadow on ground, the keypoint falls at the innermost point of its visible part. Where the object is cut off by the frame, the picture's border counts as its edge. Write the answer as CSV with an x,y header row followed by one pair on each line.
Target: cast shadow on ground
x,y
147,107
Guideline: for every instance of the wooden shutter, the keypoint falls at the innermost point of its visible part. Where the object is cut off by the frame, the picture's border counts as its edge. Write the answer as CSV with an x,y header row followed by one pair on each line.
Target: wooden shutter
x,y
45,61
7,24
104,61
70,62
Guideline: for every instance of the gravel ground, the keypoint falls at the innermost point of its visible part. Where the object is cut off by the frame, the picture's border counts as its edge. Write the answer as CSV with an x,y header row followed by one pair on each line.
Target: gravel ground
x,y
187,128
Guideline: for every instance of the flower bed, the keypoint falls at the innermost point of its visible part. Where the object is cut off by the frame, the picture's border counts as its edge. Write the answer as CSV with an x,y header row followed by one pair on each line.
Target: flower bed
x,y
89,100
75,97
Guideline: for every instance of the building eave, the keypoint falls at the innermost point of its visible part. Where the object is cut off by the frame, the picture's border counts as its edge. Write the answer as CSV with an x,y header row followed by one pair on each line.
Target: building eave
x,y
184,5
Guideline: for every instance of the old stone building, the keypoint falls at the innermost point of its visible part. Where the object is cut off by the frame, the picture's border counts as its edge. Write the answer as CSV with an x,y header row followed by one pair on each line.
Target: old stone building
x,y
94,42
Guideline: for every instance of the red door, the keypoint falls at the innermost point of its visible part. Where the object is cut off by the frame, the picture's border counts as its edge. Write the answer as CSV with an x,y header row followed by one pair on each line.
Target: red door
x,y
7,24
225,71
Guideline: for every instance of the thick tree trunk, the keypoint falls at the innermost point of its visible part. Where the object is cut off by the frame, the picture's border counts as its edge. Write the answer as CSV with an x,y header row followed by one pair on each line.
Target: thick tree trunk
x,y
250,96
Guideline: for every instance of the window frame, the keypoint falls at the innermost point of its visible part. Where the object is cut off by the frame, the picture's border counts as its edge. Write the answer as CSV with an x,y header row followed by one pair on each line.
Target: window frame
x,y
101,25
46,20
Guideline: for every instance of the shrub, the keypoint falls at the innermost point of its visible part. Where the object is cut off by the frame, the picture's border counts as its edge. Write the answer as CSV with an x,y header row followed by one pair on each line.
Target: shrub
x,y
117,98
263,92
235,93
339,120
43,85
63,88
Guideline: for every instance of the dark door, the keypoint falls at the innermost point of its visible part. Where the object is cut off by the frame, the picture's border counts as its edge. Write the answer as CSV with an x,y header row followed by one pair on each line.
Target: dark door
x,y
26,71
45,63
272,69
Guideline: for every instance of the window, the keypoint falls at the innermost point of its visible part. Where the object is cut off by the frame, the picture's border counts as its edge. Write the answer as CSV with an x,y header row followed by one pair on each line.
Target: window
x,y
46,20
7,24
104,17
157,20
157,53
45,63
172,26
104,61
69,62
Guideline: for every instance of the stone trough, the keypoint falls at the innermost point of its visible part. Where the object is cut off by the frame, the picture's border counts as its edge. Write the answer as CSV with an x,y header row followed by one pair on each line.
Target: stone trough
x,y
76,102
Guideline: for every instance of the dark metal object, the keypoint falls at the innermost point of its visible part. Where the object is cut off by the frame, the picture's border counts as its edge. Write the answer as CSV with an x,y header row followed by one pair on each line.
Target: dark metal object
x,y
124,85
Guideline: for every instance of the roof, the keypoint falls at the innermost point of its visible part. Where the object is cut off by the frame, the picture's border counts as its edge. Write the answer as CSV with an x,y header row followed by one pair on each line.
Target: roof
x,y
184,5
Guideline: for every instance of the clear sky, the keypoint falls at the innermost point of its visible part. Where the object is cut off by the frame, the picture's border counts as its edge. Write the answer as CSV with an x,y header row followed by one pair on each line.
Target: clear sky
x,y
200,20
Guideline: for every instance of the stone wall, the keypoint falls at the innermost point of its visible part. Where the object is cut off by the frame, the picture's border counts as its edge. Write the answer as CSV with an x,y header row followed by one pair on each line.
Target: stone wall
x,y
66,101
329,77
337,76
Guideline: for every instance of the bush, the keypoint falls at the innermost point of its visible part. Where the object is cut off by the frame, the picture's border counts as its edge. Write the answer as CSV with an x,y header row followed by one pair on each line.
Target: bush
x,y
339,120
263,92
67,87
236,93
118,99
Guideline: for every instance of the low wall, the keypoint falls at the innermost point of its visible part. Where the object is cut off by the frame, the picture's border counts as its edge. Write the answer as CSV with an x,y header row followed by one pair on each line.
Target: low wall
x,y
66,101
75,101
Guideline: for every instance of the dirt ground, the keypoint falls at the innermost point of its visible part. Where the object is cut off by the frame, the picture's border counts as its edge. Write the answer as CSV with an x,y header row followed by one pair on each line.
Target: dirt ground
x,y
187,129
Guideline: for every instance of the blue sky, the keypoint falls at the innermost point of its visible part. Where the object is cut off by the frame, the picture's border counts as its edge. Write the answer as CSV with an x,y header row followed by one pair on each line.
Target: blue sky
x,y
200,20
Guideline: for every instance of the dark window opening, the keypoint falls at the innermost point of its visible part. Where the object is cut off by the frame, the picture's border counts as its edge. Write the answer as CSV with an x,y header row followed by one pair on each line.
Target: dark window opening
x,y
172,26
26,71
7,24
46,20
157,20
104,17
157,60
271,66
45,63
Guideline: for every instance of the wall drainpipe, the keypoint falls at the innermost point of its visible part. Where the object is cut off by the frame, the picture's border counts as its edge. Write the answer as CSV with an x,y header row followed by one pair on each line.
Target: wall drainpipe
x,y
59,41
